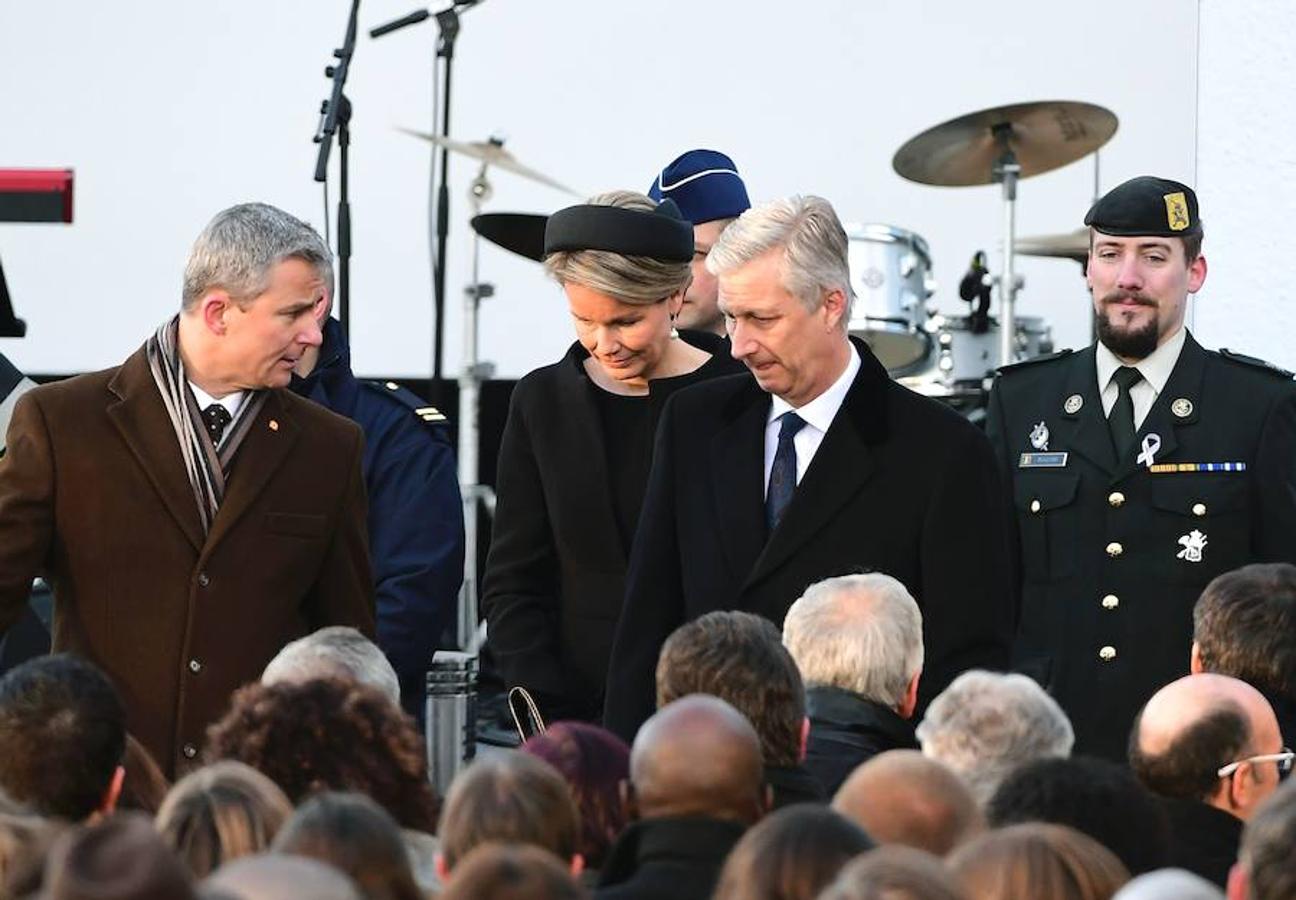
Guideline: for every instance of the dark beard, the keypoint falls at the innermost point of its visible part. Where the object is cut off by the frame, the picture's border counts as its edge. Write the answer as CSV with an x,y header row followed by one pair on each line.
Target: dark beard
x,y
1127,344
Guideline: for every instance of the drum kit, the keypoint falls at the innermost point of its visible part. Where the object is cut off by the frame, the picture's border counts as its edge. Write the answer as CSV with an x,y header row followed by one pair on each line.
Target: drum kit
x,y
946,356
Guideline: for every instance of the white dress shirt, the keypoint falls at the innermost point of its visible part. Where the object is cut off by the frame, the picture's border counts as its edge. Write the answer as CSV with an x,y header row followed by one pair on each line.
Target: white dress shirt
x,y
818,415
1155,370
231,402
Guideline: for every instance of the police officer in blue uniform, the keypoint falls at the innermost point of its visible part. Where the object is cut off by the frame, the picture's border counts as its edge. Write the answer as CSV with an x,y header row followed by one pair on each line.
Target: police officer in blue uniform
x,y
1141,467
416,536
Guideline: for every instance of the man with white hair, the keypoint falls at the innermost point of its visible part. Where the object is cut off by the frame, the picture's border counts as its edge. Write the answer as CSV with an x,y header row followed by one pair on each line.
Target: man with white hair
x,y
334,652
857,640
818,465
986,724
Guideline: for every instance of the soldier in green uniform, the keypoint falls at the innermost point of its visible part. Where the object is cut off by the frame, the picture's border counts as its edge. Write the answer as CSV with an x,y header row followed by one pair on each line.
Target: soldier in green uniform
x,y
1141,467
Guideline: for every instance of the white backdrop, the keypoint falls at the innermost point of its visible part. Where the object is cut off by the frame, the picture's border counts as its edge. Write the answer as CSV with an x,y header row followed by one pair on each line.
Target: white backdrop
x,y
171,110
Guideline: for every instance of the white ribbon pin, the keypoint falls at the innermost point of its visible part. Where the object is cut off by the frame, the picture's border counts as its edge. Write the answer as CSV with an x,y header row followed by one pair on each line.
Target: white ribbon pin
x,y
1151,444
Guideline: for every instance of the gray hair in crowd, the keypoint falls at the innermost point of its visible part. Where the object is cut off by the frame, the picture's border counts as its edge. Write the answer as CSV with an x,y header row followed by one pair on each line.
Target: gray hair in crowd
x,y
239,247
338,651
860,633
815,248
985,724
1169,884
1266,849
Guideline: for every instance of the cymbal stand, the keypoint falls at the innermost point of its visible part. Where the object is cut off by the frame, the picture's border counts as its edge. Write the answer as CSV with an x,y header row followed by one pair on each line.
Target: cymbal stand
x,y
475,371
1007,171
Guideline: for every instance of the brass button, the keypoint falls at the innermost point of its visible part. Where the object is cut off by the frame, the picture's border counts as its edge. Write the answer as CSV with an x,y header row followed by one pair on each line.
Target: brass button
x,y
1111,601
195,666
1035,506
190,751
1116,498
1199,509
1114,549
1107,654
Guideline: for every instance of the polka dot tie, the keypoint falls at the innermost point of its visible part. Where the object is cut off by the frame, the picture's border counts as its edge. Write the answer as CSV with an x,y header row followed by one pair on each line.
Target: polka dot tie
x,y
216,418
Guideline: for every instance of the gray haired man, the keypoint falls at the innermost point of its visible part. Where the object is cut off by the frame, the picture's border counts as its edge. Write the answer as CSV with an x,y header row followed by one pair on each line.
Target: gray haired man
x,y
816,465
857,640
191,515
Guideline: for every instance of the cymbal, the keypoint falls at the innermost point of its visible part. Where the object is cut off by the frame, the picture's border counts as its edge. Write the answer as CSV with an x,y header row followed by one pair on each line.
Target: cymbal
x,y
1071,245
1044,135
522,233
492,153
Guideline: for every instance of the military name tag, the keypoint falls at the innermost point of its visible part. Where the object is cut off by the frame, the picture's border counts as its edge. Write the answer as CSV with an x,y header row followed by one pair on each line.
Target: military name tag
x,y
1042,461
1166,468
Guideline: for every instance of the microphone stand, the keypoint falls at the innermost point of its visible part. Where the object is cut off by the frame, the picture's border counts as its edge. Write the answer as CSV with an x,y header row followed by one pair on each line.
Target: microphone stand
x,y
448,23
335,118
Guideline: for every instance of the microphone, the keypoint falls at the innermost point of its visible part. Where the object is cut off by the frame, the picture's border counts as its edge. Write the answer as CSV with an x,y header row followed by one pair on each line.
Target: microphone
x,y
396,24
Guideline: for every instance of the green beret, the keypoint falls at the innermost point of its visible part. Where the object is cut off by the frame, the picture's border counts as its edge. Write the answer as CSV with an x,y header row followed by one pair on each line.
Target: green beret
x,y
1156,207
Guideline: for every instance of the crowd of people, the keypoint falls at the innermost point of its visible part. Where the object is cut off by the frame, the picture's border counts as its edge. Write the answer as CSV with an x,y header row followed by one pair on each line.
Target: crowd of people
x,y
796,630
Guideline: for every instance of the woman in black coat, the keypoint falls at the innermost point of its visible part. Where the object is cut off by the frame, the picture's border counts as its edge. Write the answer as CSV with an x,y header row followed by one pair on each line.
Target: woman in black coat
x,y
577,447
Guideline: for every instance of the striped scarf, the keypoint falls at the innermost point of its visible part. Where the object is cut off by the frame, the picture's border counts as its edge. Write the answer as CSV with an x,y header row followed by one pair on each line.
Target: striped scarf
x,y
208,466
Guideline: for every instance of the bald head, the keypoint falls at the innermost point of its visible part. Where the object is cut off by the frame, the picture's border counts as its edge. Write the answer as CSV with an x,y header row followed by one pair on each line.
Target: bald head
x,y
275,877
903,797
1194,726
698,756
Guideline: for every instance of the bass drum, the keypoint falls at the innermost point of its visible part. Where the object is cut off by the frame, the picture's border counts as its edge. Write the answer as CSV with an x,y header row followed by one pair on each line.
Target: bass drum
x,y
891,274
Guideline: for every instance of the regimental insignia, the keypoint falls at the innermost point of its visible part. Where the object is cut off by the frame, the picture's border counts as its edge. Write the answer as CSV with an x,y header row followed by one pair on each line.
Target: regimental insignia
x,y
1182,407
1176,211
1073,404
1193,543
1039,436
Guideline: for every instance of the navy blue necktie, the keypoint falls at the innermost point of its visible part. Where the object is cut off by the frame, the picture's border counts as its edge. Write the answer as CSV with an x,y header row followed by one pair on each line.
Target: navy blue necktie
x,y
782,481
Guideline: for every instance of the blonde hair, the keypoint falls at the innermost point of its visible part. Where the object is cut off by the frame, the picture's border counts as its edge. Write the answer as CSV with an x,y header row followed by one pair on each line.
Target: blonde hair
x,y
1023,862
637,280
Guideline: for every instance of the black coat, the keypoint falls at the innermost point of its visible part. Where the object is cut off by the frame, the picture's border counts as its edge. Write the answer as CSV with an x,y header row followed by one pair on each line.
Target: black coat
x,y
901,484
676,858
555,575
793,784
1107,580
847,730
1204,840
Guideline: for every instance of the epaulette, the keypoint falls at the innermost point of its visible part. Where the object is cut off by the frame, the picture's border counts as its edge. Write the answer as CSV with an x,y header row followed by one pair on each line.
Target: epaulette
x,y
1255,362
1034,360
420,407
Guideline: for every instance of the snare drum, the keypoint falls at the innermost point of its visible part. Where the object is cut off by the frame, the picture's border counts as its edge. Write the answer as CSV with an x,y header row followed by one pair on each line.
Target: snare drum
x,y
891,274
962,357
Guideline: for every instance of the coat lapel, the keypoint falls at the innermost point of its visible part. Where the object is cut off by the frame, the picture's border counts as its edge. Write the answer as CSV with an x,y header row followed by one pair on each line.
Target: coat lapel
x,y
268,446
737,464
1084,427
1185,383
141,418
840,468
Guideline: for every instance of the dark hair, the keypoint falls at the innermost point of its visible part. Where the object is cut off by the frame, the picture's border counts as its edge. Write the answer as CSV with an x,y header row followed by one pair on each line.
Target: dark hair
x,y
1099,798
324,734
792,854
1244,624
1192,244
894,872
594,762
514,797
221,812
511,872
1266,849
1030,862
63,730
1187,767
144,787
740,658
355,835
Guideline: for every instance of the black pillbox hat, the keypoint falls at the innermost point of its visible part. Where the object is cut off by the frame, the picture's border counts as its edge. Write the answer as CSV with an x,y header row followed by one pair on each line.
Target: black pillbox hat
x,y
1156,207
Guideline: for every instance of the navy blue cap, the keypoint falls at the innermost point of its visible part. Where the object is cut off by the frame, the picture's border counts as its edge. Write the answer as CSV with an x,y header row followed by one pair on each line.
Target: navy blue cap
x,y
704,184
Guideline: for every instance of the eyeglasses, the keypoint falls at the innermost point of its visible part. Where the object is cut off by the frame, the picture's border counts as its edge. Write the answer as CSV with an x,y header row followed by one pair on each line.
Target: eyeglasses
x,y
1283,759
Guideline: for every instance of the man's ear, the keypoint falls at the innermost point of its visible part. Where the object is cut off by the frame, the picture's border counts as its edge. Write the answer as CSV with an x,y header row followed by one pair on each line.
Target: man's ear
x,y
834,306
112,793
577,865
804,740
1237,882
909,704
213,308
1196,274
767,801
442,870
1194,659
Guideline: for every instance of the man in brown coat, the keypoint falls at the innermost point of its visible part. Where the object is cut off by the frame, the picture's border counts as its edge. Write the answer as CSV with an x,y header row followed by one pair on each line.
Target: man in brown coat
x,y
191,515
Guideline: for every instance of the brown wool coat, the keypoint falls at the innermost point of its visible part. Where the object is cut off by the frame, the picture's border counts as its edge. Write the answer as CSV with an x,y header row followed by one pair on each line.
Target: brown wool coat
x,y
94,497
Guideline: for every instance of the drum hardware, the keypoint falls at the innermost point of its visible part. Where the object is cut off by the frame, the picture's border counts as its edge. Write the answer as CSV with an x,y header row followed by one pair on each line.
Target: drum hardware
x,y
1002,145
1070,245
891,276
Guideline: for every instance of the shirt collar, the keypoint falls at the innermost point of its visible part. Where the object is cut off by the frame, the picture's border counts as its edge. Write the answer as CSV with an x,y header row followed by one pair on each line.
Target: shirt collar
x,y
820,411
231,402
1155,368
